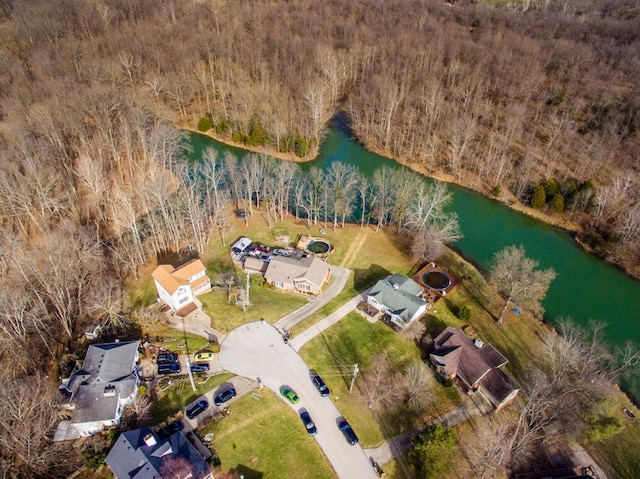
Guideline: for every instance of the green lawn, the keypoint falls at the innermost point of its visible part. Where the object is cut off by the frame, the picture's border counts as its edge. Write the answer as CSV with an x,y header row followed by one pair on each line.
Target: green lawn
x,y
179,394
266,303
264,438
355,340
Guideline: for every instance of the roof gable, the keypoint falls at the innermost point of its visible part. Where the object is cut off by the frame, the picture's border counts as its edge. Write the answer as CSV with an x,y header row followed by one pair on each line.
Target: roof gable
x,y
398,294
288,270
106,376
131,457
463,358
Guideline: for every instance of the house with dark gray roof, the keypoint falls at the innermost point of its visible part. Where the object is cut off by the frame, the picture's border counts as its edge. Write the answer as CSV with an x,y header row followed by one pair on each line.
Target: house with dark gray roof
x,y
476,365
98,391
400,298
305,275
140,454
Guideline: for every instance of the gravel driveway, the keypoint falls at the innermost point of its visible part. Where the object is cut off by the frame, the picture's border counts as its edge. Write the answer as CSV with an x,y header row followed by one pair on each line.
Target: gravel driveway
x,y
257,351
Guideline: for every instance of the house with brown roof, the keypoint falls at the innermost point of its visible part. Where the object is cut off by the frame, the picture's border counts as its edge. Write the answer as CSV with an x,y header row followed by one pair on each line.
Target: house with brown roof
x,y
476,365
305,275
178,287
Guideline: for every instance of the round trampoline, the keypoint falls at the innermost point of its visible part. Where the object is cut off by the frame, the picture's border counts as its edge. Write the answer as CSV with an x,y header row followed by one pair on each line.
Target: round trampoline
x,y
319,246
438,280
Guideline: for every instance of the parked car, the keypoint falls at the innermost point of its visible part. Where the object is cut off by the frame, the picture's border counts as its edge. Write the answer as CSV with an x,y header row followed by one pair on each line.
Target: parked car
x,y
169,368
263,248
322,388
281,252
197,408
203,356
201,367
290,394
171,428
308,423
348,432
166,357
224,396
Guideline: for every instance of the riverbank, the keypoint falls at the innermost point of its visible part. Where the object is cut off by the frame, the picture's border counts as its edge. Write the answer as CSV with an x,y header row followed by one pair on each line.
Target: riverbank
x,y
573,229
254,149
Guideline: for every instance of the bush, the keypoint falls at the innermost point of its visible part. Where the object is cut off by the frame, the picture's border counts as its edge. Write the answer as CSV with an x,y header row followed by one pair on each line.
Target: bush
x,y
302,147
557,203
432,451
204,124
538,197
601,428
464,312
496,190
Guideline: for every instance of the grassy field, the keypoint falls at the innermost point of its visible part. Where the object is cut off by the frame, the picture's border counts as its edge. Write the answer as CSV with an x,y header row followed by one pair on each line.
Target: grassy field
x,y
355,340
264,438
179,394
265,303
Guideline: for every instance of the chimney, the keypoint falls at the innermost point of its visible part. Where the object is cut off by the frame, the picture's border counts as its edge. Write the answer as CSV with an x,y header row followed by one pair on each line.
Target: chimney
x,y
150,440
109,391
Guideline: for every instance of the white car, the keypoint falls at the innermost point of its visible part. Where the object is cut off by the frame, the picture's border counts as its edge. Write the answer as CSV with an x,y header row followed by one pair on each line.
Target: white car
x,y
282,252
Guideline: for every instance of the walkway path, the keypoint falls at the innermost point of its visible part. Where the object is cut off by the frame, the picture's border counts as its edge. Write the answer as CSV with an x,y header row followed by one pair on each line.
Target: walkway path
x,y
310,333
339,277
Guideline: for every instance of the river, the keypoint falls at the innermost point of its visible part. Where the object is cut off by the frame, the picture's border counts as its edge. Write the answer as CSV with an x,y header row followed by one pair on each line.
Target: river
x,y
586,288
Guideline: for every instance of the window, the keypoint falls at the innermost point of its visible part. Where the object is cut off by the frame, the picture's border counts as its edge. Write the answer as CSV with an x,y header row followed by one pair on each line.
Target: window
x,y
182,292
183,300
303,286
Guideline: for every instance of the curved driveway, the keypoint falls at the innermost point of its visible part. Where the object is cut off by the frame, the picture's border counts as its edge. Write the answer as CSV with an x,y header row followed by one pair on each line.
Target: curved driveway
x,y
257,351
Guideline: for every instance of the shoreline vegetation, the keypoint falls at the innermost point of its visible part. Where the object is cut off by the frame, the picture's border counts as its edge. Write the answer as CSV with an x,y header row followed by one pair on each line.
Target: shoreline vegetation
x,y
571,227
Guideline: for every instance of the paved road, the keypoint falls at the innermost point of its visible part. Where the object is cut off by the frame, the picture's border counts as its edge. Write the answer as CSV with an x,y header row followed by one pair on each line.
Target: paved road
x,y
256,350
339,277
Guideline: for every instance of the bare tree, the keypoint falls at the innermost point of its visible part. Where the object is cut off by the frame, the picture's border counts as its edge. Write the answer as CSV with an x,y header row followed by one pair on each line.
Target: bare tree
x,y
518,281
28,415
176,467
381,384
420,383
432,224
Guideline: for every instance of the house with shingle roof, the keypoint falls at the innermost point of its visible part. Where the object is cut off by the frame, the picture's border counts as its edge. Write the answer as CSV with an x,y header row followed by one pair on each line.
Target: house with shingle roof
x,y
476,365
141,454
305,275
177,287
400,298
98,391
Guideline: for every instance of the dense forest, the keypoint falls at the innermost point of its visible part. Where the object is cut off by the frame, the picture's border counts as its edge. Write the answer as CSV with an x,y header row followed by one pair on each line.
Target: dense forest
x,y
536,102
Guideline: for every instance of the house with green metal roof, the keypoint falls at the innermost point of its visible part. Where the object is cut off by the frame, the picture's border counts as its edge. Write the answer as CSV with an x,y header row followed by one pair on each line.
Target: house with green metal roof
x,y
400,298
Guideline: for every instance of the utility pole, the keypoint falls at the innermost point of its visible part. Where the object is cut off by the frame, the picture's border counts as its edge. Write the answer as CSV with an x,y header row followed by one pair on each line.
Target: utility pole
x,y
193,384
356,370
248,286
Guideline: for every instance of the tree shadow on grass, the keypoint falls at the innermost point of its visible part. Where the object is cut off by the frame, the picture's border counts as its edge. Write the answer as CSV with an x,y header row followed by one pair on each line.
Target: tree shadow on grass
x,y
364,278
243,471
343,355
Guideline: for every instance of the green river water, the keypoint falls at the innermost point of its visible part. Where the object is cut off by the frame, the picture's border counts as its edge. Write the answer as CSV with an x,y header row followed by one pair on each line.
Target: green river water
x,y
586,287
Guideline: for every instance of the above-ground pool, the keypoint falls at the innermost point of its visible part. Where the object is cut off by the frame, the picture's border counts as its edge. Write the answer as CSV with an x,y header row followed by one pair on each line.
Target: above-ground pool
x,y
435,279
318,246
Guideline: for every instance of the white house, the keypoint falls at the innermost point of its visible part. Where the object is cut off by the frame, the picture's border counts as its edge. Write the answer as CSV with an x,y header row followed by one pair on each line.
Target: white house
x,y
98,392
400,298
177,287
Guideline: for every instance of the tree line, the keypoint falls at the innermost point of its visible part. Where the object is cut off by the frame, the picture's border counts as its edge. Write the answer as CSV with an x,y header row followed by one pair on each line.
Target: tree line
x,y
499,98
94,180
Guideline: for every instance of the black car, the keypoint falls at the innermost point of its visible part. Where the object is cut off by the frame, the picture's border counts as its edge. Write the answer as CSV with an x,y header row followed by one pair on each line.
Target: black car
x,y
322,388
171,428
169,368
308,423
197,408
200,367
167,357
349,435
224,396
